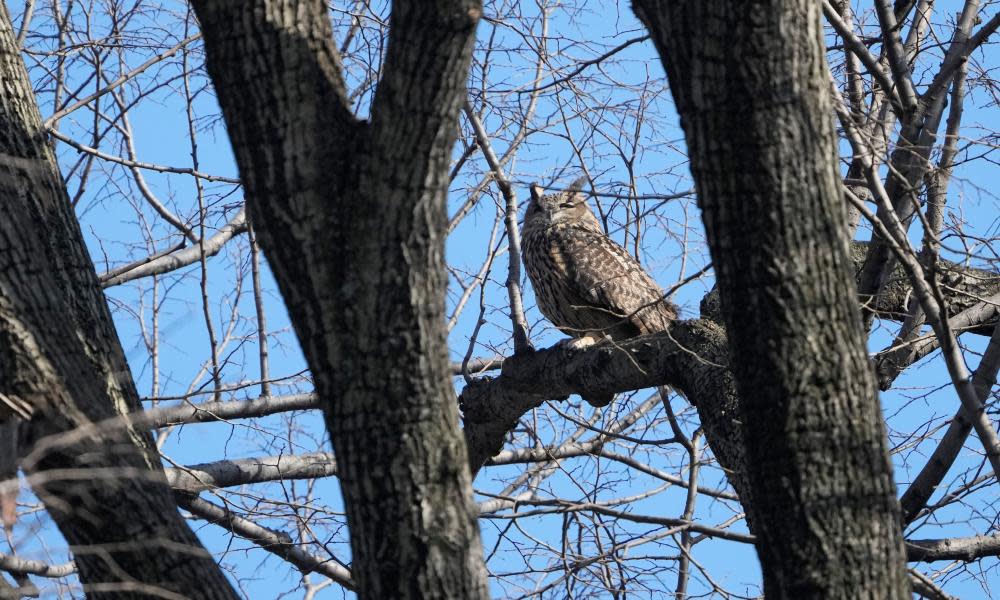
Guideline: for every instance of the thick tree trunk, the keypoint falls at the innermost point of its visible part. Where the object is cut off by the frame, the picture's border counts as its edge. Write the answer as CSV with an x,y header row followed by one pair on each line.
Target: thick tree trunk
x,y
751,86
351,216
60,356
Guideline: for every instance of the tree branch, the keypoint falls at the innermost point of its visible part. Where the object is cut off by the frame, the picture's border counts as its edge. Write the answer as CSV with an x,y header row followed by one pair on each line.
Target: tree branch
x,y
278,543
180,258
967,549
518,323
692,358
232,473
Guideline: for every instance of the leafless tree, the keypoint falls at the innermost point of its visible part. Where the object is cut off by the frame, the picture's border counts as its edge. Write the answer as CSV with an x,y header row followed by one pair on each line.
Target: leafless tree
x,y
341,131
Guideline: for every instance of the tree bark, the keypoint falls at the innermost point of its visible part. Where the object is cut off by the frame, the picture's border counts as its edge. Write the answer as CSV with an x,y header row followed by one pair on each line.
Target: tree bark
x,y
351,216
750,83
970,293
61,357
692,357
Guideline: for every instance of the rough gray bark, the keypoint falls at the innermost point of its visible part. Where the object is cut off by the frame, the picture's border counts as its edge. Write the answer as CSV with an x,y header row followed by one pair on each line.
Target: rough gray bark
x,y
751,86
60,355
351,216
693,357
972,295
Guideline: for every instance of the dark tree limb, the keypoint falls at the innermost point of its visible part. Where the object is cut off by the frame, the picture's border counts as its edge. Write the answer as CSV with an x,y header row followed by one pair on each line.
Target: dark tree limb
x,y
925,483
967,549
692,358
972,296
60,355
966,289
824,506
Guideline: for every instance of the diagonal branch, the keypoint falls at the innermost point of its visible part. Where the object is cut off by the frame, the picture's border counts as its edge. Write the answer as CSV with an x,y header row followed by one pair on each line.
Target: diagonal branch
x,y
54,118
692,358
897,57
858,48
962,46
179,258
916,496
278,543
894,232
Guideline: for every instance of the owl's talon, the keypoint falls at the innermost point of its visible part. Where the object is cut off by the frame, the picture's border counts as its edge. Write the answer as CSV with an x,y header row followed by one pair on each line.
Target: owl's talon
x,y
574,344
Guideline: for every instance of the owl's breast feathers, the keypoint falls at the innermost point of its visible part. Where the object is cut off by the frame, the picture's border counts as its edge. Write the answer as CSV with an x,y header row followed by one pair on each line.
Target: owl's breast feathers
x,y
586,284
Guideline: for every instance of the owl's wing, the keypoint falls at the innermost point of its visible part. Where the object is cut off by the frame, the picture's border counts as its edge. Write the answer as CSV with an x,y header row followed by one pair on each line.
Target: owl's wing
x,y
609,277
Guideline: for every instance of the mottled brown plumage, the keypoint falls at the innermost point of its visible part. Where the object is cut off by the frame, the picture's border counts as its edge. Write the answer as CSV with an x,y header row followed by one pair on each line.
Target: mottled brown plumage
x,y
585,283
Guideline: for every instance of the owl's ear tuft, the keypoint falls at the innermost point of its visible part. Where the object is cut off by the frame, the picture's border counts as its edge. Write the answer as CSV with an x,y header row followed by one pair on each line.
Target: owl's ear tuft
x,y
536,192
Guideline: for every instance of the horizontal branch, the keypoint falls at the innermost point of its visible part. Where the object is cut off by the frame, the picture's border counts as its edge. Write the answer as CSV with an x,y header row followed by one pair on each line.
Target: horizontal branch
x,y
692,358
972,295
967,549
596,448
208,412
967,288
563,506
22,566
477,366
174,415
232,473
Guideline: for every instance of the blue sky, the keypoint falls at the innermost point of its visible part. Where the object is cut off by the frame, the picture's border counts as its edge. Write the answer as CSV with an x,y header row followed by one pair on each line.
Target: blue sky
x,y
612,103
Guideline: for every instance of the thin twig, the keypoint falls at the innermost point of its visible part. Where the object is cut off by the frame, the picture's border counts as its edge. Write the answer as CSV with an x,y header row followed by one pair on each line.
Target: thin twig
x,y
519,324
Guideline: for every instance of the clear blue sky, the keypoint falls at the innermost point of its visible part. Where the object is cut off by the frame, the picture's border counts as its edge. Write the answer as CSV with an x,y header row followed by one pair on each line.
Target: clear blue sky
x,y
616,95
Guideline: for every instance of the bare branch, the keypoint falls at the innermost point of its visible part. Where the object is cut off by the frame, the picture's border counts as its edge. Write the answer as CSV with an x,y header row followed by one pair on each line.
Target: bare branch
x,y
180,258
54,118
231,473
856,46
275,542
518,323
897,57
967,549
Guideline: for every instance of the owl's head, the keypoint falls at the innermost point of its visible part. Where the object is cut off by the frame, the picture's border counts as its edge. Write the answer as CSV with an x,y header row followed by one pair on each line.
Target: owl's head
x,y
567,206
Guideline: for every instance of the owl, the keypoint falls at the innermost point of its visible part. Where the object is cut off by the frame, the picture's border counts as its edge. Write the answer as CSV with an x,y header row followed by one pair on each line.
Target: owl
x,y
588,286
